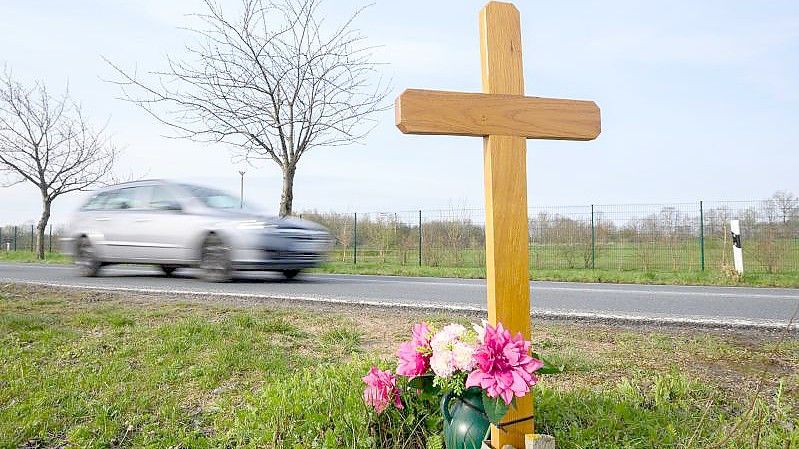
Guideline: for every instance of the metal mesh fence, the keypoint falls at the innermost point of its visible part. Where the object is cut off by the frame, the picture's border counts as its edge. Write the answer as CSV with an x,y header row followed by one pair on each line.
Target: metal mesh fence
x,y
676,237
23,238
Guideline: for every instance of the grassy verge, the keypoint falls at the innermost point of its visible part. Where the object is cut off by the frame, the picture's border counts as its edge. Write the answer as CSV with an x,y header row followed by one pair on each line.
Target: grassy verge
x,y
112,370
29,256
790,280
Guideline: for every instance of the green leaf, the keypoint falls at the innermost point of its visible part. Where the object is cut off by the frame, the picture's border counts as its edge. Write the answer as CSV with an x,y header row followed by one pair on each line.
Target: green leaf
x,y
495,408
424,383
549,367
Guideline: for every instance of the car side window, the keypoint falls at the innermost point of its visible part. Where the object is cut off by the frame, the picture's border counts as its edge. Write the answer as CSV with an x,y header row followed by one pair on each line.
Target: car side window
x,y
97,202
162,198
127,198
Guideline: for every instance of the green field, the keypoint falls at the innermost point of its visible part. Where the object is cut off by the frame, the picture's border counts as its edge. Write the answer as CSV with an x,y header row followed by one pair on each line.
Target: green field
x,y
98,370
777,257
625,263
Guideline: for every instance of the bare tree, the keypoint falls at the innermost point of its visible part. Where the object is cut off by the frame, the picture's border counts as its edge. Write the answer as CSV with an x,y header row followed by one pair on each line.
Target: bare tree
x,y
46,140
272,82
787,205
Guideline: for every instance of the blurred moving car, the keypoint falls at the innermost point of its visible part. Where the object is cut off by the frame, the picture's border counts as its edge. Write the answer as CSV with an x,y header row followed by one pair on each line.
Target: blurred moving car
x,y
175,225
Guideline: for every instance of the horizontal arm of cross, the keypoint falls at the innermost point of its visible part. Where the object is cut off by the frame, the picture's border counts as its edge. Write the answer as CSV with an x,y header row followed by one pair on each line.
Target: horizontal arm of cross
x,y
473,114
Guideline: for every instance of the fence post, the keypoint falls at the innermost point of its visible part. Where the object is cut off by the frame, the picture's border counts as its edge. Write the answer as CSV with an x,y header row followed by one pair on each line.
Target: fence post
x,y
32,248
15,238
420,238
355,240
701,235
51,237
593,240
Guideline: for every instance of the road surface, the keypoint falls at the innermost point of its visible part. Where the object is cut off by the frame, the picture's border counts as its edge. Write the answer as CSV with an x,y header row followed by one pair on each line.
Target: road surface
x,y
688,305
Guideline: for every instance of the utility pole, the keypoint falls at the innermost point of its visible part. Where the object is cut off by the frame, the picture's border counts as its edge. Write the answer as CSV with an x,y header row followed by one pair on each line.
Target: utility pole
x,y
242,172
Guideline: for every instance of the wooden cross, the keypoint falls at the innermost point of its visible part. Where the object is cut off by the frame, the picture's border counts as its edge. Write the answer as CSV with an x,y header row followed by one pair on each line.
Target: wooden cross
x,y
504,117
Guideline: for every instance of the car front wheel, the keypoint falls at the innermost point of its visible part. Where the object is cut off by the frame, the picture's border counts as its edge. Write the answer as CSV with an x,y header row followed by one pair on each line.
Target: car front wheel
x,y
86,259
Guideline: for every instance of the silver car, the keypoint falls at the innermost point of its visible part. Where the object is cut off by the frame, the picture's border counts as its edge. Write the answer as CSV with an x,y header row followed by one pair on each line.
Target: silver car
x,y
175,225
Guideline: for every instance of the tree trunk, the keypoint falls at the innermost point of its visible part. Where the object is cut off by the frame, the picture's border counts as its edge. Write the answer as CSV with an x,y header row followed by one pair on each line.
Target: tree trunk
x,y
41,227
287,197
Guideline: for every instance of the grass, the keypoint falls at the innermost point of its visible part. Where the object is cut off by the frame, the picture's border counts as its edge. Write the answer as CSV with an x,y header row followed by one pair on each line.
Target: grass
x,y
88,369
774,255
29,256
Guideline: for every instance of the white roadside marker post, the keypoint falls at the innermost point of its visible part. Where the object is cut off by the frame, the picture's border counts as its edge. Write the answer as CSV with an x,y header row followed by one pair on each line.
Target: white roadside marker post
x,y
737,248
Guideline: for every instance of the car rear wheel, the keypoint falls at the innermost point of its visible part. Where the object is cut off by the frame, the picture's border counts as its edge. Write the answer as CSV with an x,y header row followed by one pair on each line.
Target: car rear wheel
x,y
215,260
290,274
86,259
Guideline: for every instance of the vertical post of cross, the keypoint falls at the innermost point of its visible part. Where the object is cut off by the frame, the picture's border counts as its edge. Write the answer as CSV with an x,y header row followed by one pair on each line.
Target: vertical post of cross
x,y
505,177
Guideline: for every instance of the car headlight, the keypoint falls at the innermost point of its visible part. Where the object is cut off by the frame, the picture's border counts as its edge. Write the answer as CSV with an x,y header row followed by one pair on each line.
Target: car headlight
x,y
255,225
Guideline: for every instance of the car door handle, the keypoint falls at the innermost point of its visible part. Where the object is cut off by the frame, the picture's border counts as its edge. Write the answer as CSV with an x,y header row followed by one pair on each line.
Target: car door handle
x,y
102,219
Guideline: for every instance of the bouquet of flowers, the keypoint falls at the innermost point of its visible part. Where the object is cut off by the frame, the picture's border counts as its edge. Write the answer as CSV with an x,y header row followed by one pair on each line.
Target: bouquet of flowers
x,y
455,359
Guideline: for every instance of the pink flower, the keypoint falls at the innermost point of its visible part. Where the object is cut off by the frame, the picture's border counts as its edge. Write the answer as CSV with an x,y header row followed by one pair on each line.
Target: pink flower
x,y
381,389
504,365
414,355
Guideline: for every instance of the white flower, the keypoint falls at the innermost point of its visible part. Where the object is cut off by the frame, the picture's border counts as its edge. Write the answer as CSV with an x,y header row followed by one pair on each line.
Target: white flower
x,y
463,356
450,354
481,331
443,339
441,363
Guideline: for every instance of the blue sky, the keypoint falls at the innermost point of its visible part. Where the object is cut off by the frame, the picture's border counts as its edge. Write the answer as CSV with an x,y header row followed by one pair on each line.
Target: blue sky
x,y
700,100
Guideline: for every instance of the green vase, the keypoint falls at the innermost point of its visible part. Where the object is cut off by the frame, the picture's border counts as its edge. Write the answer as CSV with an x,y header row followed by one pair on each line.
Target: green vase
x,y
465,421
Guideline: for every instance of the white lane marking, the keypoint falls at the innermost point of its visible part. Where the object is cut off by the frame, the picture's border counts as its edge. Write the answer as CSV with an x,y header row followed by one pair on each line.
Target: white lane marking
x,y
479,283
609,289
558,314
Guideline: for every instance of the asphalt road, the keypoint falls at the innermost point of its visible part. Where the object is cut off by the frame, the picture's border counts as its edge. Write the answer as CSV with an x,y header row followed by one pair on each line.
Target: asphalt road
x,y
698,306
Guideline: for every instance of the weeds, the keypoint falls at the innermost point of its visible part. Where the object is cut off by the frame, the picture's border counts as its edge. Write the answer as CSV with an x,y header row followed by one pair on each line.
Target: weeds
x,y
133,373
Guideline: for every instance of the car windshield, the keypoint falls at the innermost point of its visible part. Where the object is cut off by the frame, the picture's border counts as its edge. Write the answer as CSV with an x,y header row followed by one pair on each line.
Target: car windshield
x,y
214,199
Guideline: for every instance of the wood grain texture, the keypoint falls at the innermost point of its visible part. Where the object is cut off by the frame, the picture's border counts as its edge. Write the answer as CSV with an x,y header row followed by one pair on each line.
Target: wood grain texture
x,y
505,177
475,114
501,49
507,275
